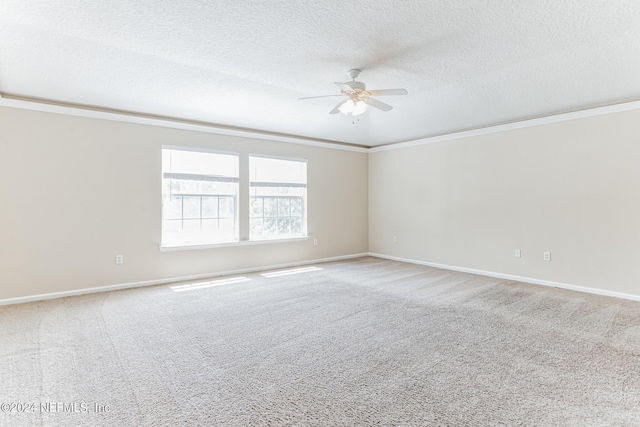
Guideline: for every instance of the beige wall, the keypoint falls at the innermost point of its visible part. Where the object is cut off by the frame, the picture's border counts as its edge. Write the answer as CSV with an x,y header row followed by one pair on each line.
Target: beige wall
x,y
571,188
74,192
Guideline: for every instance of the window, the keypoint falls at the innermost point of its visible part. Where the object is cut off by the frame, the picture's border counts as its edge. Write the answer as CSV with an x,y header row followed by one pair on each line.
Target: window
x,y
199,197
278,198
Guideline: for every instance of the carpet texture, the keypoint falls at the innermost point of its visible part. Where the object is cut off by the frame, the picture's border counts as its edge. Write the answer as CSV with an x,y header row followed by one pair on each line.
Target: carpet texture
x,y
351,343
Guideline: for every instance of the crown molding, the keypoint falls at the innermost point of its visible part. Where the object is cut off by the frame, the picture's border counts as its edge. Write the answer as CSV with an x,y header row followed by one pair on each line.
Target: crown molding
x,y
591,112
35,104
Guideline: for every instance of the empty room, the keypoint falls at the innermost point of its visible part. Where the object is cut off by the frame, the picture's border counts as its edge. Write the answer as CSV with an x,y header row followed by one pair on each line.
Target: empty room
x,y
335,213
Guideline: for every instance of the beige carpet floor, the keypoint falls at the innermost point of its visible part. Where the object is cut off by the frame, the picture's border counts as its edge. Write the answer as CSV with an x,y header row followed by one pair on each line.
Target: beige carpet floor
x,y
355,343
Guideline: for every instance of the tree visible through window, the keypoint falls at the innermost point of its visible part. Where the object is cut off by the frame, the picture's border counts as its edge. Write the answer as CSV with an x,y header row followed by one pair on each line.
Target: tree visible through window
x,y
278,197
199,197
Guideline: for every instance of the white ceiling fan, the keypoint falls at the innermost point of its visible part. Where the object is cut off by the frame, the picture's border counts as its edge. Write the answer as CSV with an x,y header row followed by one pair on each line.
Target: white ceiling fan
x,y
357,98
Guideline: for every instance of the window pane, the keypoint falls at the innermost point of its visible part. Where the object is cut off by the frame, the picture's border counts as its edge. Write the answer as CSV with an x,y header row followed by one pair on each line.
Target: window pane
x,y
227,207
281,186
226,228
284,225
270,226
209,207
191,227
191,207
296,206
256,207
209,227
277,170
172,226
195,183
283,207
200,162
270,207
172,208
296,225
256,226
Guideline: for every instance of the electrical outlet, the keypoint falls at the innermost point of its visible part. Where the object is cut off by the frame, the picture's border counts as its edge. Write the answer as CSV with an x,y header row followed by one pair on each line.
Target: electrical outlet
x,y
315,242
517,253
546,256
119,259
395,239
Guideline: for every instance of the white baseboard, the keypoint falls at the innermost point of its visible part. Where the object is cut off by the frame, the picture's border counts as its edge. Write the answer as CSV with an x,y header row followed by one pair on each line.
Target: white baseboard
x,y
512,277
53,295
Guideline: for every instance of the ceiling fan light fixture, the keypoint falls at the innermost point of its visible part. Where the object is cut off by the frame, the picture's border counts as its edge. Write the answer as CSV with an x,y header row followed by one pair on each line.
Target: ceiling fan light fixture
x,y
357,98
360,108
347,107
355,107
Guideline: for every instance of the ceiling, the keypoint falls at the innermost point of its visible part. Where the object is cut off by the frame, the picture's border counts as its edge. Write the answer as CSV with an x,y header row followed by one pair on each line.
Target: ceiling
x,y
243,64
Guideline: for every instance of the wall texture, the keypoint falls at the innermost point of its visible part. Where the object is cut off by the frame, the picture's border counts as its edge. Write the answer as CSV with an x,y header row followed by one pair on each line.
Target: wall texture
x,y
570,188
74,192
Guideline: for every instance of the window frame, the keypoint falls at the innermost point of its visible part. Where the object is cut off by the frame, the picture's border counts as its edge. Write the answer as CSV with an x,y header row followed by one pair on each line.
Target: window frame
x,y
304,225
236,219
244,192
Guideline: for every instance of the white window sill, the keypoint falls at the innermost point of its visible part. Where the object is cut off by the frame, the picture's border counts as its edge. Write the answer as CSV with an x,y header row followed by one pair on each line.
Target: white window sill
x,y
232,244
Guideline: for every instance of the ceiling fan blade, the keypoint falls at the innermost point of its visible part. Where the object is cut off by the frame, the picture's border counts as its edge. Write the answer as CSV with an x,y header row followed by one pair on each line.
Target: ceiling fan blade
x,y
377,104
345,87
321,96
337,108
385,92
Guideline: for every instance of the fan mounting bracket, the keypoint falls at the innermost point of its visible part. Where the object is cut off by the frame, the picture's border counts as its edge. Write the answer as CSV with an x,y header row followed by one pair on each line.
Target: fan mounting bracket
x,y
353,73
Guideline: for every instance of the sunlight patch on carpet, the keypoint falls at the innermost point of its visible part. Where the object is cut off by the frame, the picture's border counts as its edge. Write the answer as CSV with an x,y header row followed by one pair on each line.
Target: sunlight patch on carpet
x,y
209,284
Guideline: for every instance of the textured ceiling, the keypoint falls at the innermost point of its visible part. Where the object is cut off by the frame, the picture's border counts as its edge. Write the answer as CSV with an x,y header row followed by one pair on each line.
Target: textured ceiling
x,y
245,63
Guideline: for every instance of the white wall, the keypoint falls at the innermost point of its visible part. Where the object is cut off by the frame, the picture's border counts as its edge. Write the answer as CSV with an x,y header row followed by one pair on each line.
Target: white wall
x,y
74,192
571,188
